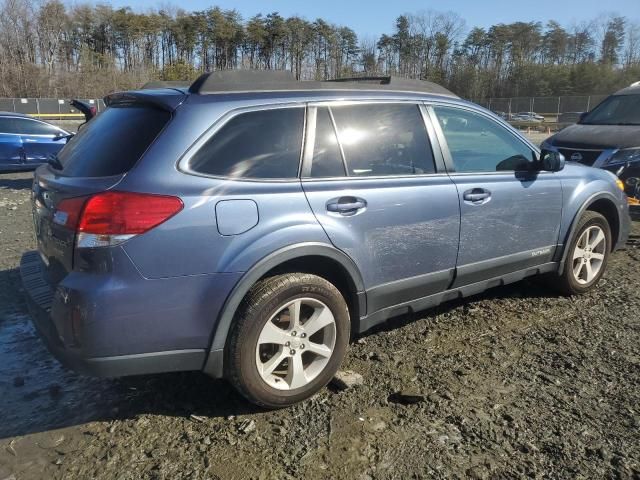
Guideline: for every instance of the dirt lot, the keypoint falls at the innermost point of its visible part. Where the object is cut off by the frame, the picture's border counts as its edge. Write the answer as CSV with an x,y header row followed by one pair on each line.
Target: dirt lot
x,y
517,382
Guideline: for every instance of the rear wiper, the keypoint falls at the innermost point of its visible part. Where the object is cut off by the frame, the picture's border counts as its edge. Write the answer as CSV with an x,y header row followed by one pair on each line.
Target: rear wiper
x,y
54,162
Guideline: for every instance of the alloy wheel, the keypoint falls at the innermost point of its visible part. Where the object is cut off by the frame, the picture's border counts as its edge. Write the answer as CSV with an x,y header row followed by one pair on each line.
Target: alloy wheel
x,y
296,344
589,254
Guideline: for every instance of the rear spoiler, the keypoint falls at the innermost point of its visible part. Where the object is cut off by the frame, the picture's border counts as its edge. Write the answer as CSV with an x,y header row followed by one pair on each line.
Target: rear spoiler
x,y
165,99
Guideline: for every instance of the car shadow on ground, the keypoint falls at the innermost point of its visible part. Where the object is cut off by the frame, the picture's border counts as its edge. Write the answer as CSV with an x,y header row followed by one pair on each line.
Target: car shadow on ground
x,y
40,395
15,183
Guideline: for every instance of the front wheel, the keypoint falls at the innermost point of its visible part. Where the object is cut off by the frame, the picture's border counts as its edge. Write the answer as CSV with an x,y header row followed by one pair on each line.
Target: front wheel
x,y
289,338
588,255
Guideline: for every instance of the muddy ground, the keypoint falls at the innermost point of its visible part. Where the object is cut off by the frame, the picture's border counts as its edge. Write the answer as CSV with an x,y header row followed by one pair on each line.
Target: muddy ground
x,y
517,382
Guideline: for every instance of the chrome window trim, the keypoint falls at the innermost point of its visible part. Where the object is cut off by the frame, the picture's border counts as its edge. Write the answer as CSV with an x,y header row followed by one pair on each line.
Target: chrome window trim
x,y
356,101
340,147
310,139
182,165
377,177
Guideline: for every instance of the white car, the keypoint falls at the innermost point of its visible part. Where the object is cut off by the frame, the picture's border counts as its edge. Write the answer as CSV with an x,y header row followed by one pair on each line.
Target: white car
x,y
528,117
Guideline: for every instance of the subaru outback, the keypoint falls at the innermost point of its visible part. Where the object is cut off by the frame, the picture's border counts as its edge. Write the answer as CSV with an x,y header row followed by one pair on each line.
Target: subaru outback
x,y
250,225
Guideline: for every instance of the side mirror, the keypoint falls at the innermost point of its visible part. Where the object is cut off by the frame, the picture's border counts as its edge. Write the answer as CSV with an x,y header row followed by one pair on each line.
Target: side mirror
x,y
551,161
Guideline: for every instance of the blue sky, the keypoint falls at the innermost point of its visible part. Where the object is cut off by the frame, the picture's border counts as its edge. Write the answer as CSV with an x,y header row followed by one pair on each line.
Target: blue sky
x,y
371,18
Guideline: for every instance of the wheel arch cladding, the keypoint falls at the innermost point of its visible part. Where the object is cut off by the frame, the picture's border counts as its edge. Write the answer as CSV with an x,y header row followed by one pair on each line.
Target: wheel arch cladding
x,y
608,210
317,258
603,203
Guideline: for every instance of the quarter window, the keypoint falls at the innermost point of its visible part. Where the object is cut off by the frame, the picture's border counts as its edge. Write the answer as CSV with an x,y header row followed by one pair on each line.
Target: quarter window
x,y
383,139
260,144
478,144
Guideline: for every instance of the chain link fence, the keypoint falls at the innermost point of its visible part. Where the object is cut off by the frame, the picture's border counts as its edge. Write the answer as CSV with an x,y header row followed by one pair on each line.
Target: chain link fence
x,y
47,107
549,107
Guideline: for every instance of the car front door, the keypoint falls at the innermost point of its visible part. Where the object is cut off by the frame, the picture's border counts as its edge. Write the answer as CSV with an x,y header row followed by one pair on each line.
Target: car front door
x,y
11,152
40,140
510,210
380,192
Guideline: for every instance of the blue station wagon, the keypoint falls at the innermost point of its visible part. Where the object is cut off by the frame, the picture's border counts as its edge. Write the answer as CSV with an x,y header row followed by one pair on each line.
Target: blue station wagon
x,y
250,225
26,143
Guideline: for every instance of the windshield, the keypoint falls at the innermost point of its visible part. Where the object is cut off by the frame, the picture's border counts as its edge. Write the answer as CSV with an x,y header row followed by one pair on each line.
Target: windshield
x,y
112,143
615,110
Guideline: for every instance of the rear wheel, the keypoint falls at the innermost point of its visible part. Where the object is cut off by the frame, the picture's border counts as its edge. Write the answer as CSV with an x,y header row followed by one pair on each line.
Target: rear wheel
x,y
289,337
588,255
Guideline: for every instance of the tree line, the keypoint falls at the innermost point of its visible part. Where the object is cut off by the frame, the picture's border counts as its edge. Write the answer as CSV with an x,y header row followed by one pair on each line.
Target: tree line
x,y
49,49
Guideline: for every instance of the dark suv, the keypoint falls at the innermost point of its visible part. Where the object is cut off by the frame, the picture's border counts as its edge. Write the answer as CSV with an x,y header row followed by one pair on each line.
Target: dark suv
x,y
607,137
250,225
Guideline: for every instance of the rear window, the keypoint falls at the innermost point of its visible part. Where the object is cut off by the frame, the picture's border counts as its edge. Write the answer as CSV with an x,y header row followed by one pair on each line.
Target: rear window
x,y
112,143
260,144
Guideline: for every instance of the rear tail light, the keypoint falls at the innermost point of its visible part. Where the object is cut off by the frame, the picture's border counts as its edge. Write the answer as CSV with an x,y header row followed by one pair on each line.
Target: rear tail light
x,y
110,218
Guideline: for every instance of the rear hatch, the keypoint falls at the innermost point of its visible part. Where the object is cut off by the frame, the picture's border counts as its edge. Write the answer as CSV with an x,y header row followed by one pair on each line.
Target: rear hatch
x,y
93,161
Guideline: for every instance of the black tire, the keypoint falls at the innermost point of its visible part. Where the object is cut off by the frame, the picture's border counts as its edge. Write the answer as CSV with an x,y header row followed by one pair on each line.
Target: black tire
x,y
263,301
567,283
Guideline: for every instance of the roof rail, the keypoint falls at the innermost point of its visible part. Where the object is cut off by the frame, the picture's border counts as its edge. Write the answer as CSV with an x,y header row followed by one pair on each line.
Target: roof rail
x,y
228,80
234,81
385,80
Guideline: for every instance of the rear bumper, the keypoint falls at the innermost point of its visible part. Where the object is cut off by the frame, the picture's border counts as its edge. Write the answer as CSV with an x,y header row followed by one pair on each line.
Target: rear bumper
x,y
81,338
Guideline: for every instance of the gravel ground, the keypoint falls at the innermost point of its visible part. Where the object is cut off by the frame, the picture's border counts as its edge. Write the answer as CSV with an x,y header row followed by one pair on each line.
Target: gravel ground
x,y
517,382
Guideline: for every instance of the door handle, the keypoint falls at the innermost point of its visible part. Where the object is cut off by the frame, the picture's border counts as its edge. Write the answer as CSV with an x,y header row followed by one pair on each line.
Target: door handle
x,y
346,205
477,195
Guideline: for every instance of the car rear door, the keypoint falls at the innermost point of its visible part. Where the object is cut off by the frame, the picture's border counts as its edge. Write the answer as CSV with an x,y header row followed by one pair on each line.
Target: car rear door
x,y
40,140
382,196
11,152
510,211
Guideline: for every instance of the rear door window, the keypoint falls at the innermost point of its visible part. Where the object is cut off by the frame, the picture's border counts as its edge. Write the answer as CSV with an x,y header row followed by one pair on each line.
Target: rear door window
x,y
31,127
113,142
261,144
383,139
